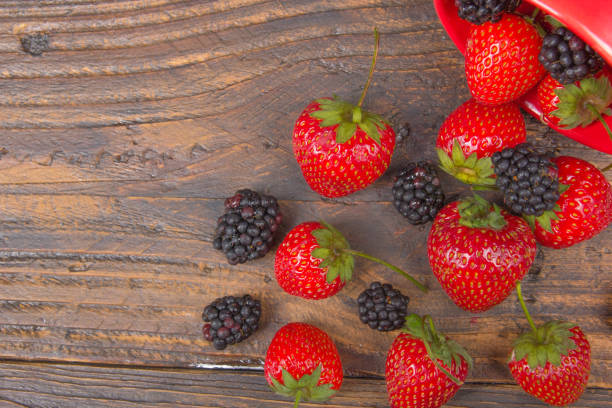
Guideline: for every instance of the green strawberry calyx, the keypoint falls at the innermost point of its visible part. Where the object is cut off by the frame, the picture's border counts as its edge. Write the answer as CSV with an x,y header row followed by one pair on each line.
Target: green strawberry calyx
x,y
470,170
306,388
337,256
476,212
349,117
543,344
582,104
438,346
331,251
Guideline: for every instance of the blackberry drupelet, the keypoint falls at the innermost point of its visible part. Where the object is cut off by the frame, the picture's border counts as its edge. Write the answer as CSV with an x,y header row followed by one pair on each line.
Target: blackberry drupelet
x,y
567,57
528,179
230,320
481,11
247,228
382,308
417,194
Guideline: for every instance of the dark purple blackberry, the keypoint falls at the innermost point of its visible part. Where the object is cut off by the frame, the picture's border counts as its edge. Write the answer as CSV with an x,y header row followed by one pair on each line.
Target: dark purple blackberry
x,y
481,11
382,308
528,179
567,57
230,320
416,192
247,228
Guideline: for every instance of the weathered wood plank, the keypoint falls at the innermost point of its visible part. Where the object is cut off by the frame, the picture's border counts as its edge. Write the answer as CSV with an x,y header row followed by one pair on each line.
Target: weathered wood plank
x,y
118,144
67,386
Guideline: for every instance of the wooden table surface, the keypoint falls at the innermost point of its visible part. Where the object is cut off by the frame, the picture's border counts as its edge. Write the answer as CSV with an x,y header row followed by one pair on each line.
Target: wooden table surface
x,y
118,145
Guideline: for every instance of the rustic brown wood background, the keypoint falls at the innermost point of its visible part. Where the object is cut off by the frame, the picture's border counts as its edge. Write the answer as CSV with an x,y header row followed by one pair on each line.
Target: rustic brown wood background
x,y
118,145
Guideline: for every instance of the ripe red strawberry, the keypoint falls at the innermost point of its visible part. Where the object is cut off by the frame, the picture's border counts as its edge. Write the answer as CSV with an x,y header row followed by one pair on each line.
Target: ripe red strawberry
x,y
340,147
578,104
472,133
315,261
478,252
584,209
551,362
501,60
548,99
424,368
302,362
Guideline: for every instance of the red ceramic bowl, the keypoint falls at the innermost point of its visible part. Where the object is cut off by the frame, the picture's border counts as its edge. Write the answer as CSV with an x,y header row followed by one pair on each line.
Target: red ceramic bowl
x,y
589,21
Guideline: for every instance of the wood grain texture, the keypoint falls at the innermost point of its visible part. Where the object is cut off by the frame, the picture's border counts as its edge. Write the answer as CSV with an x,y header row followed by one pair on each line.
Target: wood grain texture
x,y
68,386
118,145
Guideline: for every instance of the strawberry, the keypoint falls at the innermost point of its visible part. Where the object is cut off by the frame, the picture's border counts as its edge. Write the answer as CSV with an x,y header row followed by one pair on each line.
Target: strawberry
x,y
583,210
475,131
551,362
302,362
548,99
315,261
579,104
424,368
340,147
478,252
501,60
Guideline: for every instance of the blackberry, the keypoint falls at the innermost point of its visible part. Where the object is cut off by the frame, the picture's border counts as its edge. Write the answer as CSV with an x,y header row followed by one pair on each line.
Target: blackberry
x,y
417,194
481,11
382,308
230,320
567,57
247,228
528,179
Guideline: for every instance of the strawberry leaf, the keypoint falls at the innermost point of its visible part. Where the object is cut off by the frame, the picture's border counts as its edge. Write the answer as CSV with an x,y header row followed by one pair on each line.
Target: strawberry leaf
x,y
288,380
280,389
370,128
322,393
457,154
476,212
333,271
563,188
548,343
414,326
552,355
330,248
349,118
530,220
321,253
582,104
345,131
471,161
473,170
324,237
445,161
307,386
438,346
545,220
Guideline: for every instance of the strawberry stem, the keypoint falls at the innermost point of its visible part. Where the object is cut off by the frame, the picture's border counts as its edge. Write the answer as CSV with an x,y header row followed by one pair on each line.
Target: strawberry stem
x,y
522,302
605,125
433,358
298,397
388,265
601,119
371,73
